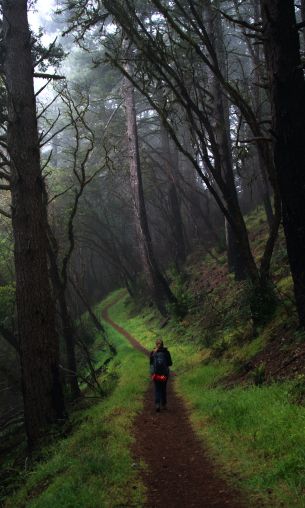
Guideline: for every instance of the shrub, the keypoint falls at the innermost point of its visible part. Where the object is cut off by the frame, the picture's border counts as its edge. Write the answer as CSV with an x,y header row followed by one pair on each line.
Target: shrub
x,y
185,299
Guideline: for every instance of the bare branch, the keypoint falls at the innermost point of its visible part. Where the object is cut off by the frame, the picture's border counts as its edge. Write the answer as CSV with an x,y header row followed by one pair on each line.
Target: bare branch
x,y
300,25
43,135
112,115
250,26
6,214
3,175
59,194
254,140
47,162
42,88
48,106
55,134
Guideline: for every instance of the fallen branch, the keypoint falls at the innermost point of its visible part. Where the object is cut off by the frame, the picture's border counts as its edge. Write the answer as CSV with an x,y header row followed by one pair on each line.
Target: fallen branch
x,y
43,75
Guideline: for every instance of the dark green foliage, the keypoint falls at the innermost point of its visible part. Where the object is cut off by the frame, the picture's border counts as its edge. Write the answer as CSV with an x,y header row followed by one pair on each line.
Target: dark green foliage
x,y
262,302
7,304
185,299
86,331
45,56
6,247
299,335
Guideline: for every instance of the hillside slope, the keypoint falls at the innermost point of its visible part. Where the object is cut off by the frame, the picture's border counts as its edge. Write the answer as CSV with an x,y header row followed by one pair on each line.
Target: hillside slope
x,y
244,387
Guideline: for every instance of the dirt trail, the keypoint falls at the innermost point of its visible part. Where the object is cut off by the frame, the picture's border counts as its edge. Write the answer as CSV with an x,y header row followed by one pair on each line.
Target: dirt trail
x,y
180,474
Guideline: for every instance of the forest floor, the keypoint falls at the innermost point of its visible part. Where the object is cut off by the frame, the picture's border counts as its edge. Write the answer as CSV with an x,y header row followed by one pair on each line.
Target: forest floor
x,y
179,471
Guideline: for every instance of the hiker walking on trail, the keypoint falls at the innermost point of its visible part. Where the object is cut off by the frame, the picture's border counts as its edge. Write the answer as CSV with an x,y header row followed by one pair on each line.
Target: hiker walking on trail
x,y
160,361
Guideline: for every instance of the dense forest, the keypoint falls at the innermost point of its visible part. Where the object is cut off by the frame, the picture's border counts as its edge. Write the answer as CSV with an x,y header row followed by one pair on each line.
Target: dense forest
x,y
152,184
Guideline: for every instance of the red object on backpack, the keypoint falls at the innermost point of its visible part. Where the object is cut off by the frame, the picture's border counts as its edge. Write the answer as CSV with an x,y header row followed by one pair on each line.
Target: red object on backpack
x,y
158,377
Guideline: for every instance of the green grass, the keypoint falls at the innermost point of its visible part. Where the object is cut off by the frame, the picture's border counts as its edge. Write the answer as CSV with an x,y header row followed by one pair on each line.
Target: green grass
x,y
256,434
92,467
144,327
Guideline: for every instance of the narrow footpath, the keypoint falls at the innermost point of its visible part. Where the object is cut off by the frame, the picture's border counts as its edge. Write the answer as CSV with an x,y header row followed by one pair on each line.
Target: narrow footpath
x,y
180,474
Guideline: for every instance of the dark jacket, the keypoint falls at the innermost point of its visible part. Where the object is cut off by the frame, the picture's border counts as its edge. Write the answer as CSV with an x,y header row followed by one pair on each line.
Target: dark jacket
x,y
167,355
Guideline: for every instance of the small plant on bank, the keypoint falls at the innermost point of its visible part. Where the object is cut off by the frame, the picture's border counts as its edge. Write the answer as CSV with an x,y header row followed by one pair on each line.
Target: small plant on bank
x,y
219,348
259,374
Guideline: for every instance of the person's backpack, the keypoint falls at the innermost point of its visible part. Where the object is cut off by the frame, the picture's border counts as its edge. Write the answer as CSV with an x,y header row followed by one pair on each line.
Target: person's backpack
x,y
160,363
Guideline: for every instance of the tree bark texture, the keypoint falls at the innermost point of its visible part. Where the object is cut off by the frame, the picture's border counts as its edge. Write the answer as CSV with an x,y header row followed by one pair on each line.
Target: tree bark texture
x,y
282,50
39,345
176,222
156,281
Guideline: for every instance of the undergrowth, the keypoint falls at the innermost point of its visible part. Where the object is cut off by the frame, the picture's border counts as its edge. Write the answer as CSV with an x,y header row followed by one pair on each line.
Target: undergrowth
x,y
253,426
92,466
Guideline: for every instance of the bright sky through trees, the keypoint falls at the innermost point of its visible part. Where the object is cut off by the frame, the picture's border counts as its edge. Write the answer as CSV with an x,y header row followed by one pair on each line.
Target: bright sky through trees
x,y
40,15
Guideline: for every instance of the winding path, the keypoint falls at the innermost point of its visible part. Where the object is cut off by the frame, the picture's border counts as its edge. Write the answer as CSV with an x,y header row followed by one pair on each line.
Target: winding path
x,y
180,474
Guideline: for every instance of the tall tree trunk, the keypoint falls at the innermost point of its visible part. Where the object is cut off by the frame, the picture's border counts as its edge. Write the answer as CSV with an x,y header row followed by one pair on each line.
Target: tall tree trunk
x,y
176,217
282,50
39,345
255,51
222,129
156,281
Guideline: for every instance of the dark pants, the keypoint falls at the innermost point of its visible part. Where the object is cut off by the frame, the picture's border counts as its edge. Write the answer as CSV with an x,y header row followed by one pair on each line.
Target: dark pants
x,y
160,392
